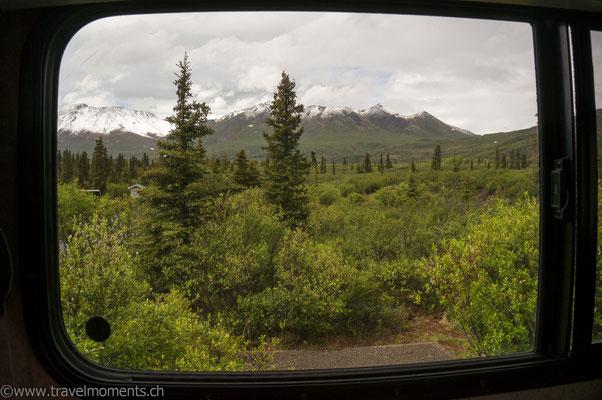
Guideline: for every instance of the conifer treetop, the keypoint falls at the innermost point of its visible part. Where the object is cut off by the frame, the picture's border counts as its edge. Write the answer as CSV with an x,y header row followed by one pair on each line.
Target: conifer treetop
x,y
285,118
190,116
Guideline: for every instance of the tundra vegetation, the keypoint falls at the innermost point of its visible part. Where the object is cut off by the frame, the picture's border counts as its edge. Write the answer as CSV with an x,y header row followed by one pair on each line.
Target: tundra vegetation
x,y
218,262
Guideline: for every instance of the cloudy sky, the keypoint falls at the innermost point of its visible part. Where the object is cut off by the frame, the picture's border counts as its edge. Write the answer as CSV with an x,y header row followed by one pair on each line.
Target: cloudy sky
x,y
475,74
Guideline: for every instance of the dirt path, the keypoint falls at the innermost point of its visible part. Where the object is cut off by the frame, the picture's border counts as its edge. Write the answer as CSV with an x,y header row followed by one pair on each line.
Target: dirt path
x,y
354,357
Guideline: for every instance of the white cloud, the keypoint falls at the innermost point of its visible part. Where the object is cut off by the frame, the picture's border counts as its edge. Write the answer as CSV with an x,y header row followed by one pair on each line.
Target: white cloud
x,y
473,73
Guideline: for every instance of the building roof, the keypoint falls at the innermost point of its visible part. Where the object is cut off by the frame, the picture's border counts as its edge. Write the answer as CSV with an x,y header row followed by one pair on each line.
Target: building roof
x,y
136,186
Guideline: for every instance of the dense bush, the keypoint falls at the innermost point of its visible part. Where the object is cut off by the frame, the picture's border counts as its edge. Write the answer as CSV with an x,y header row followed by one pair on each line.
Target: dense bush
x,y
100,278
375,249
487,279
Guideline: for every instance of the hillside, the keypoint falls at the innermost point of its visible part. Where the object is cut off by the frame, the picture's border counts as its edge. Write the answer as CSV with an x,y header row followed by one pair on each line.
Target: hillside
x,y
334,132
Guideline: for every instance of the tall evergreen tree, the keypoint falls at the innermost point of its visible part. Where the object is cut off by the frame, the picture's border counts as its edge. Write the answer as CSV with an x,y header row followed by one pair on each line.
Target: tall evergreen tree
x,y
436,161
100,168
175,197
344,161
367,166
497,158
83,169
381,164
286,176
119,169
245,173
314,162
132,166
145,162
322,165
412,186
225,164
254,177
334,171
389,163
412,166
68,167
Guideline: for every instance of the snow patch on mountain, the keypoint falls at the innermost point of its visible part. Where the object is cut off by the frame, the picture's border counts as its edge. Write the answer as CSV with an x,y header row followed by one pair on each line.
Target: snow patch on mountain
x,y
422,114
325,111
248,113
78,118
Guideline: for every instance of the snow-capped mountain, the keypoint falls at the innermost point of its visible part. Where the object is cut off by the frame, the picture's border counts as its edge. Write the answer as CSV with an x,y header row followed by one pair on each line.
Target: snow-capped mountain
x,y
79,118
344,129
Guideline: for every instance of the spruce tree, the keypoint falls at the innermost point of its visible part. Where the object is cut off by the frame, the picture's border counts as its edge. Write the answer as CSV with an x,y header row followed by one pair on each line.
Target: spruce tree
x,y
314,162
389,163
334,171
225,164
132,165
497,158
436,161
367,166
254,177
456,166
381,164
245,172
100,168
175,198
412,166
83,170
286,175
412,186
67,168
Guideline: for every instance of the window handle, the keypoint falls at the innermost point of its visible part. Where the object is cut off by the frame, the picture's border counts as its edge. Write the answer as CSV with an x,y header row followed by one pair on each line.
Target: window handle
x,y
561,175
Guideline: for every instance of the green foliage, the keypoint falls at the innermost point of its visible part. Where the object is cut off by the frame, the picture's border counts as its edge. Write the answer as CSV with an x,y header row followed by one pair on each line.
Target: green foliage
x,y
117,190
100,278
374,248
179,188
72,203
286,181
487,280
436,160
315,294
83,170
100,169
245,173
367,165
326,194
230,257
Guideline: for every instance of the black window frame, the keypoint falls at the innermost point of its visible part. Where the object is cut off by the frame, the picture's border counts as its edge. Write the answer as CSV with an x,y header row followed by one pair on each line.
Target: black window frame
x,y
562,352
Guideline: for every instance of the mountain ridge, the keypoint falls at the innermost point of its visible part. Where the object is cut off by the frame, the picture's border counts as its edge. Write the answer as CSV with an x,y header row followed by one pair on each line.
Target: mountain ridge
x,y
327,129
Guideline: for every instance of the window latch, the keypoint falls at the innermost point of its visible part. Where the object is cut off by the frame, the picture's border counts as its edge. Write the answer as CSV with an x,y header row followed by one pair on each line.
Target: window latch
x,y
560,188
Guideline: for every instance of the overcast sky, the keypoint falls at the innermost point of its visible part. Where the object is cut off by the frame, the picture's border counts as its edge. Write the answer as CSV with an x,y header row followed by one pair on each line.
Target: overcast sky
x,y
475,74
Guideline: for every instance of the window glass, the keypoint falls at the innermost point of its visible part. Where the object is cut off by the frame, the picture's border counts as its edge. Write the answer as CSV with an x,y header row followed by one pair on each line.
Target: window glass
x,y
597,59
290,191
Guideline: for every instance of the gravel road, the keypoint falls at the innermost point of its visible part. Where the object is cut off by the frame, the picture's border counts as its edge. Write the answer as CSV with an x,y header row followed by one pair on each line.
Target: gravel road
x,y
354,357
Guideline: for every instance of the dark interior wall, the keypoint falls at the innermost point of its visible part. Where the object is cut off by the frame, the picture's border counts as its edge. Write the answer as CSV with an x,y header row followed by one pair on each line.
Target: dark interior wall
x,y
18,365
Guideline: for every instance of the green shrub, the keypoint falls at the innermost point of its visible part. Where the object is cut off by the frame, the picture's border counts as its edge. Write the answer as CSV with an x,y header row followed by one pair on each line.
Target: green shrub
x,y
487,280
100,278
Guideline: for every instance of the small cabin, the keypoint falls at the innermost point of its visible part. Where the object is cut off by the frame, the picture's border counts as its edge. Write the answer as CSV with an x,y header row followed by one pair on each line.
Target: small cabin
x,y
135,188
